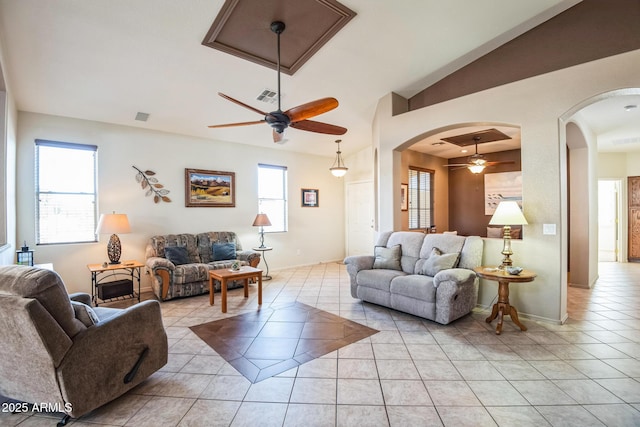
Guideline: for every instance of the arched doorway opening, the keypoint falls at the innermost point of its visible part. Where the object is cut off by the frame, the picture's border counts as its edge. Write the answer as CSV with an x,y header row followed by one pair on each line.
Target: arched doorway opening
x,y
458,194
595,144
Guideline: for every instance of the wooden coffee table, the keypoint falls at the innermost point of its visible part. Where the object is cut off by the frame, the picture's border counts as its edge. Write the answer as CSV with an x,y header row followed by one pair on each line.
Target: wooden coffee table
x,y
502,307
225,274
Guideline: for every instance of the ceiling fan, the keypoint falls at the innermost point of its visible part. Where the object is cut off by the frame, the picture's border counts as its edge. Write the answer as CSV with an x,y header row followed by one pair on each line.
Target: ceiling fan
x,y
476,162
296,117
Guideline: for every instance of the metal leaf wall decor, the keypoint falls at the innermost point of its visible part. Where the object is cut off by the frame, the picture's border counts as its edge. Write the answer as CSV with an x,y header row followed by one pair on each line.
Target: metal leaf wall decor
x,y
150,184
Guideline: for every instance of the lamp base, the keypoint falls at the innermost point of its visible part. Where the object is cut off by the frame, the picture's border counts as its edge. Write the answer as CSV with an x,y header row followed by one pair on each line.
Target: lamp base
x,y
114,249
506,248
262,238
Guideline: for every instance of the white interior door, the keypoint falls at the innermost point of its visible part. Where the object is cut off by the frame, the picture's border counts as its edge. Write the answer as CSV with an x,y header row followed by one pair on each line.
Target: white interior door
x,y
360,227
607,221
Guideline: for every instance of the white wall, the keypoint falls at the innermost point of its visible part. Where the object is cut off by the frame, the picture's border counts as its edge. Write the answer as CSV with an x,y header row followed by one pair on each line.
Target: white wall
x,y
315,234
536,105
8,170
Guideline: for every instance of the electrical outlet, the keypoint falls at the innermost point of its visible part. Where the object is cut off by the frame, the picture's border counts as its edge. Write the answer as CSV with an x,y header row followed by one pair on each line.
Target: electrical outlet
x,y
298,252
549,229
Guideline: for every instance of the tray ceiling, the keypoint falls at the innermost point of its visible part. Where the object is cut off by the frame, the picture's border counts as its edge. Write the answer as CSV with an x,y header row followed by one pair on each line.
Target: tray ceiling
x,y
243,28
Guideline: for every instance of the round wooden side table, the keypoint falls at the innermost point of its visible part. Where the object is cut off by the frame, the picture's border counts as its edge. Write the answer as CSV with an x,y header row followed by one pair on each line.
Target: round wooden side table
x,y
502,307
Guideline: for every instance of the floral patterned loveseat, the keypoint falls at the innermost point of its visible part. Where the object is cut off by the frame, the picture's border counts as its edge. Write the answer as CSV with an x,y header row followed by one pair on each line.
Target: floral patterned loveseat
x,y
183,269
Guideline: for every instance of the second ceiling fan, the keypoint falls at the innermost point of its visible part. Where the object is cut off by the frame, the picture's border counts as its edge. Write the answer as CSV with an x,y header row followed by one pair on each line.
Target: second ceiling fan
x,y
296,117
476,162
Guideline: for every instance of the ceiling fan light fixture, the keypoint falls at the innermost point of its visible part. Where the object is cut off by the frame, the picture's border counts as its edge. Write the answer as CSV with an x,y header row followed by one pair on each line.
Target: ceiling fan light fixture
x,y
338,169
476,168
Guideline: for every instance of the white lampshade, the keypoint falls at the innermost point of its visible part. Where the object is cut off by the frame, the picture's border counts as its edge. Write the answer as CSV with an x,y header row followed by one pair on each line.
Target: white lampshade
x,y
508,213
113,223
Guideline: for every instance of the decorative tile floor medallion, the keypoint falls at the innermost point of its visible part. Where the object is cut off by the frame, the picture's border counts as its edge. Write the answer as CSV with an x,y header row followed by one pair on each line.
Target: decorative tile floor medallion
x,y
272,340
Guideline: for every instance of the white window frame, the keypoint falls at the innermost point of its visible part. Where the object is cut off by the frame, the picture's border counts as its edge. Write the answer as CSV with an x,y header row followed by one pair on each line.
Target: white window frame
x,y
264,200
90,237
420,199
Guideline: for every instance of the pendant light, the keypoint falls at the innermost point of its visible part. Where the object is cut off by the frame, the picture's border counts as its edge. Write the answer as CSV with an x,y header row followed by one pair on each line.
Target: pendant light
x,y
338,169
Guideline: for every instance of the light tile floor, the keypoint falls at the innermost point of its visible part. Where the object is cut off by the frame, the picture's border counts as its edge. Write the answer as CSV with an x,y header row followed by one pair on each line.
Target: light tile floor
x,y
412,373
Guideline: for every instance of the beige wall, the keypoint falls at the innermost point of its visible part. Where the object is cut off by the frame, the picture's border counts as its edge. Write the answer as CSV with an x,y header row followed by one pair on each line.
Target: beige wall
x,y
312,234
536,105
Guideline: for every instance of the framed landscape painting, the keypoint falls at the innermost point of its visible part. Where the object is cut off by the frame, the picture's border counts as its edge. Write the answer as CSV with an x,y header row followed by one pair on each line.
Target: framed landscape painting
x,y
500,187
204,188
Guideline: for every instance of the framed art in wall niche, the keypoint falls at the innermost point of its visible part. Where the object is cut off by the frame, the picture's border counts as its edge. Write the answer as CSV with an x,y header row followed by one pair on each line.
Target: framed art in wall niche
x,y
310,198
501,186
205,188
404,197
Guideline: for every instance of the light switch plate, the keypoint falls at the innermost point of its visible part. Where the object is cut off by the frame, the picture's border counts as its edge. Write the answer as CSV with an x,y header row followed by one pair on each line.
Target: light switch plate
x,y
549,229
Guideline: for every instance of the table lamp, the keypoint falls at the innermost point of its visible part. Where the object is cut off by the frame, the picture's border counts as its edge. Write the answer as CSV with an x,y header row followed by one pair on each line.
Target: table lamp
x,y
113,224
262,220
507,213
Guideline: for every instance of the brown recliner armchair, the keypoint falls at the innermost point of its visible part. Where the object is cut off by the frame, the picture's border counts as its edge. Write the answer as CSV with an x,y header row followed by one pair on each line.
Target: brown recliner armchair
x,y
57,350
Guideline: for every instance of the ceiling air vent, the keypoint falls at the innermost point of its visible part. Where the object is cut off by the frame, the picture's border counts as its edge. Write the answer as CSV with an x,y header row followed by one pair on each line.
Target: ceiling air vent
x,y
268,96
625,141
142,117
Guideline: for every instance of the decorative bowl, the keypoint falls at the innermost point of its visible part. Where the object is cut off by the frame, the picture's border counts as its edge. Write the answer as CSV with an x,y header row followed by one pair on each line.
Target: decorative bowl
x,y
514,270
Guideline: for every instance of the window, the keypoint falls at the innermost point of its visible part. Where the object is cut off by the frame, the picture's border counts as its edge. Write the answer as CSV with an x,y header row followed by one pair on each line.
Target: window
x,y
420,198
65,192
272,195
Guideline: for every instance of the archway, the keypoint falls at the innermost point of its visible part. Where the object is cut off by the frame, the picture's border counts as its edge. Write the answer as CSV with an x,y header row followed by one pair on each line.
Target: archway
x,y
578,162
458,195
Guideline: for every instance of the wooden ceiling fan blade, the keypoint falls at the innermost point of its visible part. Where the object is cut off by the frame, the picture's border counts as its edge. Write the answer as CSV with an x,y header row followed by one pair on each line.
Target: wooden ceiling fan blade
x,y
458,164
230,125
311,109
242,104
506,162
319,127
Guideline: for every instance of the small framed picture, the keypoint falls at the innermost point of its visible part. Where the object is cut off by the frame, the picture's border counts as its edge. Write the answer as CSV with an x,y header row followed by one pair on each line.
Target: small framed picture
x,y
204,188
404,197
310,198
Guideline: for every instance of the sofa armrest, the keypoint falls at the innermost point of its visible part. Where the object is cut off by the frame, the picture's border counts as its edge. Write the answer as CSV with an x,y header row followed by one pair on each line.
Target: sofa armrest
x,y
159,262
354,265
82,297
454,275
360,262
163,268
456,293
251,257
93,370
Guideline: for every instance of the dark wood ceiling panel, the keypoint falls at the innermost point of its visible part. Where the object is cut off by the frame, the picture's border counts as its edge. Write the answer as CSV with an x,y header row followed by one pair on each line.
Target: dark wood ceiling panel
x,y
243,28
480,137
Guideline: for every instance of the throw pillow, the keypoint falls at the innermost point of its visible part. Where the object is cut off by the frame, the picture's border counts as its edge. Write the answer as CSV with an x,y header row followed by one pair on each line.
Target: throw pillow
x,y
223,251
84,313
387,258
177,254
438,261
